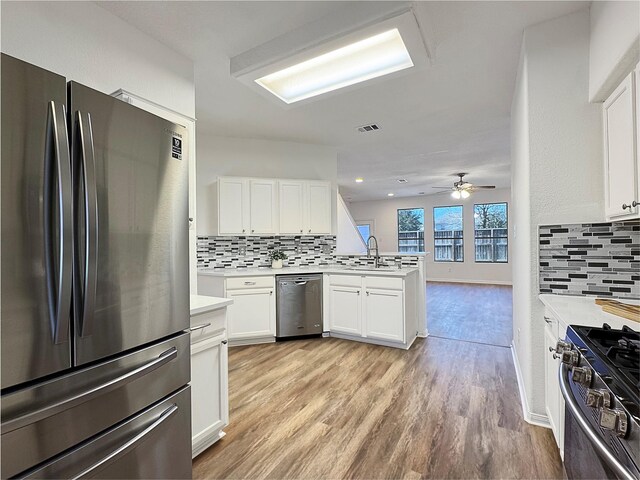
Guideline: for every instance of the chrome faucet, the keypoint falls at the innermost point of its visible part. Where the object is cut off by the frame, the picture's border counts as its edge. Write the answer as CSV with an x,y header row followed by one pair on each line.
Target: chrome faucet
x,y
376,259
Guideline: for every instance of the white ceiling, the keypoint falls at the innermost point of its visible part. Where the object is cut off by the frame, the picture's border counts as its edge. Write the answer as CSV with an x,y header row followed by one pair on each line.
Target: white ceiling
x,y
450,117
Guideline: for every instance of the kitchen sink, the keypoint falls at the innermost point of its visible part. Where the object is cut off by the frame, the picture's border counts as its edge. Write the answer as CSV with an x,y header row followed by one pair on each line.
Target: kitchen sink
x,y
373,269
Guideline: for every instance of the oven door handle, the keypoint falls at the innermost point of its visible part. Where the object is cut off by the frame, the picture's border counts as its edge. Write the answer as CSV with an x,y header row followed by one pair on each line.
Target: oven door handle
x,y
601,447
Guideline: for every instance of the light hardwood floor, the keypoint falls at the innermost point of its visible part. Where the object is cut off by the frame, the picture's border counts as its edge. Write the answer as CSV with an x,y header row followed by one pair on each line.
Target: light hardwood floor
x,y
330,408
476,313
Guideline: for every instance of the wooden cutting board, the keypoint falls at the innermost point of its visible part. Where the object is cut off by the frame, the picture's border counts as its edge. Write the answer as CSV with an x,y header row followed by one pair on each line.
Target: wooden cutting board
x,y
624,310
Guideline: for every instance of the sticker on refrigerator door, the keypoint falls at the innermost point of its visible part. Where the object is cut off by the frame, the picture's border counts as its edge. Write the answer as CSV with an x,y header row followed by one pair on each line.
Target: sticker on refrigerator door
x,y
176,147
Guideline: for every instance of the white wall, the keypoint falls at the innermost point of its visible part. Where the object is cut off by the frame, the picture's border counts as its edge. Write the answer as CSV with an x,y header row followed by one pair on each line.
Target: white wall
x,y
348,238
248,157
88,44
614,47
384,213
557,171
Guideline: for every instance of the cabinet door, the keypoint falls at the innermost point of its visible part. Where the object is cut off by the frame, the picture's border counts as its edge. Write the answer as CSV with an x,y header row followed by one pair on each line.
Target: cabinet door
x,y
384,314
291,200
233,206
621,165
263,216
552,387
209,391
252,313
318,208
345,310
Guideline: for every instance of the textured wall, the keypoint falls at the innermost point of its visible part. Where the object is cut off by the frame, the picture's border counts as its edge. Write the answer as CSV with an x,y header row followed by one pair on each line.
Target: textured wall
x,y
557,154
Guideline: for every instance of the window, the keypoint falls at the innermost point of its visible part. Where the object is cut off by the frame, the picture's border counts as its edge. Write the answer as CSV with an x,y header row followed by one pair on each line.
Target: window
x,y
411,230
447,234
365,231
491,232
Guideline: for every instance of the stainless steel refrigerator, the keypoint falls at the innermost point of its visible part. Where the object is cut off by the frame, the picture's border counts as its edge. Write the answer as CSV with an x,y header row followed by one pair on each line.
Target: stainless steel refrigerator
x,y
94,284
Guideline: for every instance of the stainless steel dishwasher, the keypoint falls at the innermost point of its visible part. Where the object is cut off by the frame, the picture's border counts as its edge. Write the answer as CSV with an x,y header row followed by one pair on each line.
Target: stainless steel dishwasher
x,y
298,305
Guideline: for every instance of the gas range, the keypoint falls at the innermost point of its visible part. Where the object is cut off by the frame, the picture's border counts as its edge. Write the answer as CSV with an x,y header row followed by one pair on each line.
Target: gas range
x,y
599,380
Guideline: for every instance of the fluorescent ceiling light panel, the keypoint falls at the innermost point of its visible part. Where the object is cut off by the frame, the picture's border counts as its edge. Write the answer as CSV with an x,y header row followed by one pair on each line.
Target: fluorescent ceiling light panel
x,y
363,60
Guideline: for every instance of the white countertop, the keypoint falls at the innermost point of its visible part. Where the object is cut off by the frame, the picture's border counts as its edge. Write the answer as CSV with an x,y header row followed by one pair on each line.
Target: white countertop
x,y
576,310
251,272
203,304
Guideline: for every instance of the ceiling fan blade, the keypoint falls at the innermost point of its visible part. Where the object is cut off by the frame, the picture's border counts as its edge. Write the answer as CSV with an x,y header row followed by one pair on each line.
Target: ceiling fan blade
x,y
448,188
465,185
483,187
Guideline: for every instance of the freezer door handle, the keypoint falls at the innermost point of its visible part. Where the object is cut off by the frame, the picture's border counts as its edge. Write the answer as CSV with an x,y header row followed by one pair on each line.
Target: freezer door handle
x,y
58,251
91,393
129,444
86,162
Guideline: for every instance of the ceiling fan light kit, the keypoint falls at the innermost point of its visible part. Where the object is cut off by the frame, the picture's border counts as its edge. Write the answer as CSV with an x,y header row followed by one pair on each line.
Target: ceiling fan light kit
x,y
463,190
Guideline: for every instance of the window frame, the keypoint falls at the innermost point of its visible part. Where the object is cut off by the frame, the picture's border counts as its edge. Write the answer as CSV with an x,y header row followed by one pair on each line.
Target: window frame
x,y
424,246
461,207
475,246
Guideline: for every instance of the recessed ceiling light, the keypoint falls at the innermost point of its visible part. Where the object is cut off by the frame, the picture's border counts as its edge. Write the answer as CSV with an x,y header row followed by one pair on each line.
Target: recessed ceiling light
x,y
420,193
357,62
390,194
359,180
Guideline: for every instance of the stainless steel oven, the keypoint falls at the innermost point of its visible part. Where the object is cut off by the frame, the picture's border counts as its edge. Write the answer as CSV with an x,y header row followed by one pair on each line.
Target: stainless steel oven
x,y
602,429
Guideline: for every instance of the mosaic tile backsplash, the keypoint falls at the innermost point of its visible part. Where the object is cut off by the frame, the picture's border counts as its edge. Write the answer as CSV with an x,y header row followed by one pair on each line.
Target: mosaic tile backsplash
x,y
249,252
601,259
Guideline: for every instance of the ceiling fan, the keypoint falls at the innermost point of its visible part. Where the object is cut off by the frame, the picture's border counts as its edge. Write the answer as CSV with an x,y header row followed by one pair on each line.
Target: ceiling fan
x,y
462,189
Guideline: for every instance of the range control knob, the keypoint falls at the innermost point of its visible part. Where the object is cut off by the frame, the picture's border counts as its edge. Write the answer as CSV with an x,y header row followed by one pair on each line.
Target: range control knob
x,y
581,375
615,420
598,398
561,347
570,357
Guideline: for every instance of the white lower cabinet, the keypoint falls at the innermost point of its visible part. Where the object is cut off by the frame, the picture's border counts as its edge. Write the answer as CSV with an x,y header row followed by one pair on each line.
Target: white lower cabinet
x,y
252,314
209,391
345,309
381,306
554,403
374,309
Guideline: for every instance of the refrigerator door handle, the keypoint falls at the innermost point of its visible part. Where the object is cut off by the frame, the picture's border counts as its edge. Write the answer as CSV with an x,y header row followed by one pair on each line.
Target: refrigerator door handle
x,y
65,404
90,200
129,444
58,265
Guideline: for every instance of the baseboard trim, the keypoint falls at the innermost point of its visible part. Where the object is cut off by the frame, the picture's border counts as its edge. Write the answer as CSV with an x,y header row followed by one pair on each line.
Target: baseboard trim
x,y
527,414
478,282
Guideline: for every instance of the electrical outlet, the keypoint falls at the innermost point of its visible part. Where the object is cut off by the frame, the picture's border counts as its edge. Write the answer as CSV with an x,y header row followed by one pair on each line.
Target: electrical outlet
x,y
326,249
242,249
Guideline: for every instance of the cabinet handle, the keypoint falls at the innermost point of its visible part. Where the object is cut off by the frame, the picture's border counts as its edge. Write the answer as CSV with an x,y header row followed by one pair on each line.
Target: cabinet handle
x,y
625,206
271,292
249,283
358,292
199,327
243,230
224,342
367,294
300,231
309,230
252,231
547,319
634,204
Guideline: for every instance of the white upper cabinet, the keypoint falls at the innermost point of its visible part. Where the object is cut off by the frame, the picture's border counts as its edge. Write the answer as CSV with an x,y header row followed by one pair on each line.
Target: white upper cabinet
x,y
267,206
318,208
233,206
292,216
621,151
264,210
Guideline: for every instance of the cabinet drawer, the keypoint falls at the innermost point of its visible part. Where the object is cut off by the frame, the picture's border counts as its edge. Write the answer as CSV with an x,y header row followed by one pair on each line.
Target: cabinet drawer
x,y
205,325
385,283
551,323
345,280
266,281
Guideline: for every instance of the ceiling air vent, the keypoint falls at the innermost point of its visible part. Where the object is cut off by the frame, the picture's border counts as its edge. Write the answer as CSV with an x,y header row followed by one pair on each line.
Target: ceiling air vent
x,y
372,127
402,180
